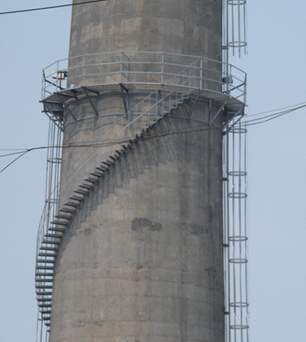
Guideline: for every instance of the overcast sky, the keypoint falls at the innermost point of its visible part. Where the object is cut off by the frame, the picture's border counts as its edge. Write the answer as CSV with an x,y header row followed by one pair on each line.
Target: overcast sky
x,y
276,163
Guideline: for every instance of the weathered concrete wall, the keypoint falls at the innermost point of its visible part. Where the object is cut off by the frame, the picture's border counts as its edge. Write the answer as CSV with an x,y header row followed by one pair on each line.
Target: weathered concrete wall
x,y
192,27
142,260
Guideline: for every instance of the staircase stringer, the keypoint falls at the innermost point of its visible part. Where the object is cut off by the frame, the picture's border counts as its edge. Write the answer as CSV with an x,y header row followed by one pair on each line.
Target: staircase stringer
x,y
50,243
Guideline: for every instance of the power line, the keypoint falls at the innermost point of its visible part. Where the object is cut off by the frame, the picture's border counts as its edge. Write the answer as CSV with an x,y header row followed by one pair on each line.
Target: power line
x,y
270,117
49,7
102,143
278,109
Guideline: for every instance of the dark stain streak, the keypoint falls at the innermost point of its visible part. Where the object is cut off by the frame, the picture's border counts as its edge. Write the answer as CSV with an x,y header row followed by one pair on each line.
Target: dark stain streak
x,y
196,229
141,223
87,231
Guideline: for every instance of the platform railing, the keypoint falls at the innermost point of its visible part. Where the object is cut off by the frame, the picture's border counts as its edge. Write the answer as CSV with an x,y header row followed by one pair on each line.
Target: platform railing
x,y
143,68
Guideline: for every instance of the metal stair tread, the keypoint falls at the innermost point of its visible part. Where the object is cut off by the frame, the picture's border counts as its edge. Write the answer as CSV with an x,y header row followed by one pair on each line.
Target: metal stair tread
x,y
51,242
85,186
43,292
76,198
126,145
58,236
108,162
61,216
44,305
81,191
47,254
57,229
46,248
71,204
44,287
97,173
44,267
46,261
91,180
102,168
44,274
67,210
61,223
105,162
113,157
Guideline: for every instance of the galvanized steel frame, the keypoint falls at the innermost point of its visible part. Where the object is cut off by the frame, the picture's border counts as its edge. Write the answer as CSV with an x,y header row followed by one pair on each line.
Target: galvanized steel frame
x,y
235,232
170,88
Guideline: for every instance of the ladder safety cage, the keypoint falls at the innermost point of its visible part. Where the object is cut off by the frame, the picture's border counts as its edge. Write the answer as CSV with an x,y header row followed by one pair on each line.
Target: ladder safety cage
x,y
235,233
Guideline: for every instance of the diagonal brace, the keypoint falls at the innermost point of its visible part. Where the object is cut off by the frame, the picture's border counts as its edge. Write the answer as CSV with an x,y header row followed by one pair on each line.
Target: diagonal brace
x,y
89,99
124,92
218,112
66,107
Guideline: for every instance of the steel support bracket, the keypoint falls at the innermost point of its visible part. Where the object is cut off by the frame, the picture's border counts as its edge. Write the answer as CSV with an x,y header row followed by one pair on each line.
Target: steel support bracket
x,y
89,99
66,107
124,93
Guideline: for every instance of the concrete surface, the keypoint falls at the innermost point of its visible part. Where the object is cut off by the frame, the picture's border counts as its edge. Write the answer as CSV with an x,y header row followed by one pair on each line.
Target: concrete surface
x,y
142,260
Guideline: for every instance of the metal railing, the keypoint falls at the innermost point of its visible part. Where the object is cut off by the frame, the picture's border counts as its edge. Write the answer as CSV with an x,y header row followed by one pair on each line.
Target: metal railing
x,y
143,68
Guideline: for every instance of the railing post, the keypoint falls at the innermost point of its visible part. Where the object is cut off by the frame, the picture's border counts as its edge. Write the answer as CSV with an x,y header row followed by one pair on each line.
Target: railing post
x,y
57,79
121,66
43,85
245,88
201,74
83,78
162,69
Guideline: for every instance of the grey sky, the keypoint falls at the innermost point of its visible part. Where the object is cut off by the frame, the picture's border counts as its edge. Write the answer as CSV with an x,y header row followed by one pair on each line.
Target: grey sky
x,y
276,163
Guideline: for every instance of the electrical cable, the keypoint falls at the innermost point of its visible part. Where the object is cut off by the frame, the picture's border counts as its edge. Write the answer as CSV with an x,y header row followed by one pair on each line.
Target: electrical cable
x,y
267,118
49,7
251,122
278,109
